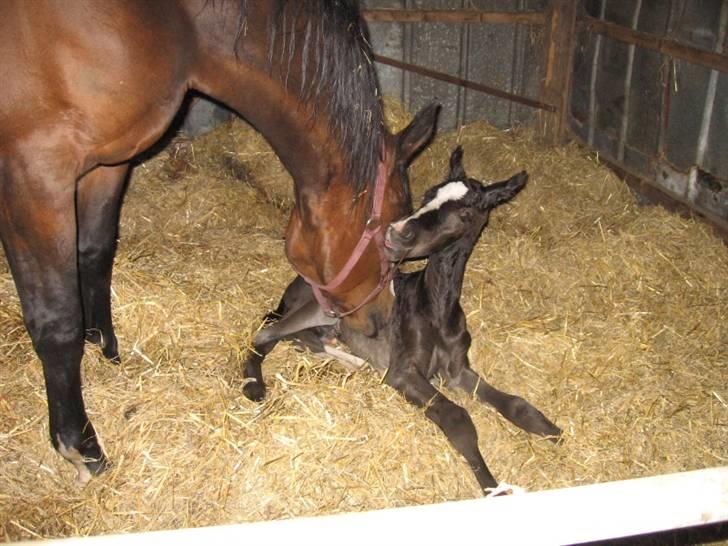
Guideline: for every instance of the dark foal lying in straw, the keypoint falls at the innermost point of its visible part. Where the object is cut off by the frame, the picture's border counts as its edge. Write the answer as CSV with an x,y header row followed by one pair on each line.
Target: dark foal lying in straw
x,y
425,335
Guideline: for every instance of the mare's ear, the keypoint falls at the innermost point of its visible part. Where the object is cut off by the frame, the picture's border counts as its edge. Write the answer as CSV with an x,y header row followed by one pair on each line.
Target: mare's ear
x,y
413,138
501,192
457,171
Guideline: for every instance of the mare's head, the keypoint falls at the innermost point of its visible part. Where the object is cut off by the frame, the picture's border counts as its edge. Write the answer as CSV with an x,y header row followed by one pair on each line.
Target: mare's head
x,y
303,75
453,210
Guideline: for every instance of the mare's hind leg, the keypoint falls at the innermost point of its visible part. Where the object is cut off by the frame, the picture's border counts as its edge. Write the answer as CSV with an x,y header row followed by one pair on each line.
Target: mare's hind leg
x,y
514,408
38,231
98,203
453,420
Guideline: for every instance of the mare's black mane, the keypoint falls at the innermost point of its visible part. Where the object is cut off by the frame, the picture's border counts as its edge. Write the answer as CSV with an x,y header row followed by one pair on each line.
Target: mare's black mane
x,y
336,74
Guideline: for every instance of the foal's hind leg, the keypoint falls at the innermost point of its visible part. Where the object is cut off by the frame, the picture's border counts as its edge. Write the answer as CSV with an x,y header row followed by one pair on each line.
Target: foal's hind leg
x,y
453,420
514,408
38,231
98,203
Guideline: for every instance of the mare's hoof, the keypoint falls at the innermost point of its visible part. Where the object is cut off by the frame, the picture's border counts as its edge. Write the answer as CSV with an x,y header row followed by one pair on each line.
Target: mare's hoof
x,y
254,390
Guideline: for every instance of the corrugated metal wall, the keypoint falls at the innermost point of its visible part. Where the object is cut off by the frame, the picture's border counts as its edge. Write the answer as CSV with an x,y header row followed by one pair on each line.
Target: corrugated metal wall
x,y
509,57
664,120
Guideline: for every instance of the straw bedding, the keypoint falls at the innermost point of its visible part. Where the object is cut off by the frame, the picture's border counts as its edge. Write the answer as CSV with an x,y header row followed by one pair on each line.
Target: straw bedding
x,y
609,317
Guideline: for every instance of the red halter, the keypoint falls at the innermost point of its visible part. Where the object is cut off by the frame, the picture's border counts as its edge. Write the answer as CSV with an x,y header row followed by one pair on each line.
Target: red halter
x,y
372,230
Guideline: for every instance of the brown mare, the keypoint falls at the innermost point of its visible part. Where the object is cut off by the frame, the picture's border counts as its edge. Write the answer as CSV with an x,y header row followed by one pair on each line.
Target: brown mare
x,y
88,84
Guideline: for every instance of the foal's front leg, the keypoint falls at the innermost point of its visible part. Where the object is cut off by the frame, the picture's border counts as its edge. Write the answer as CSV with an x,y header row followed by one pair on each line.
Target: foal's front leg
x,y
297,311
453,420
98,203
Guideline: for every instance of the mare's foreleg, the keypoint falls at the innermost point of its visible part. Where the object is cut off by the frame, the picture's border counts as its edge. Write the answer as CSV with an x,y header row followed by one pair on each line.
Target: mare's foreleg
x,y
297,311
98,203
38,231
453,420
514,408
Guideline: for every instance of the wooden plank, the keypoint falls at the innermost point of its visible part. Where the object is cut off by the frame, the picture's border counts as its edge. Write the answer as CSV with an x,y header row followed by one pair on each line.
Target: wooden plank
x,y
587,513
453,16
709,59
465,83
560,40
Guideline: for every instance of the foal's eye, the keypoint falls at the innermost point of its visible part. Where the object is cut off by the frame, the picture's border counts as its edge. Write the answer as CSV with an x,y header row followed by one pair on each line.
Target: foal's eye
x,y
465,214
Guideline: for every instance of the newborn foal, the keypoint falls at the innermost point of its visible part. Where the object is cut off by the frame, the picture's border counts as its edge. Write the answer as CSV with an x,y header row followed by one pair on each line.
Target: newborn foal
x,y
426,335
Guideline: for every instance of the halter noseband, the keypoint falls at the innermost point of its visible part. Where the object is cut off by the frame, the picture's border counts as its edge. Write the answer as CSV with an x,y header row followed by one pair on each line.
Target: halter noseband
x,y
372,230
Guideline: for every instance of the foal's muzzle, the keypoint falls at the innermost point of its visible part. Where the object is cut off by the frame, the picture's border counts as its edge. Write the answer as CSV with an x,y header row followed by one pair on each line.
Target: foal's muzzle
x,y
397,241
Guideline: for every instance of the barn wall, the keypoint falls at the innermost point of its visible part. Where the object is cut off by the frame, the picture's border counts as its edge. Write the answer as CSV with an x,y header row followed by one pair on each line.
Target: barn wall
x,y
508,57
651,118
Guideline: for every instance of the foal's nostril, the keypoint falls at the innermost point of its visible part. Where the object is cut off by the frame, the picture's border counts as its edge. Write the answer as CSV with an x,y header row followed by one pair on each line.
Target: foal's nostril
x,y
407,233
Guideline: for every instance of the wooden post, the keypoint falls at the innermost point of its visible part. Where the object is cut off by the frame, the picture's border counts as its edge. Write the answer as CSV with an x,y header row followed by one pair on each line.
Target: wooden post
x,y
560,40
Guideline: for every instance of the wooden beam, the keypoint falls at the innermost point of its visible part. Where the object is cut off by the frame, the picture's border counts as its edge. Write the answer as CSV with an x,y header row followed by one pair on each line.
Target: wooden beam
x,y
588,513
709,59
454,16
560,40
464,83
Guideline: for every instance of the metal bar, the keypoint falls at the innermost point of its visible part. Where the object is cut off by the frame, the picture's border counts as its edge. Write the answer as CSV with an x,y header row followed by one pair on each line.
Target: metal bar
x,y
593,80
464,83
453,16
666,81
712,89
628,85
675,49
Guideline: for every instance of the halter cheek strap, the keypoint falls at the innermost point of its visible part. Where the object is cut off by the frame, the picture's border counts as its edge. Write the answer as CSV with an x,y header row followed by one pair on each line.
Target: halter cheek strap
x,y
372,231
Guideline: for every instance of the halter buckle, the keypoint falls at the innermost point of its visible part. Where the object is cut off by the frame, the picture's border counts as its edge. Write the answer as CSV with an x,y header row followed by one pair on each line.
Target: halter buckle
x,y
373,224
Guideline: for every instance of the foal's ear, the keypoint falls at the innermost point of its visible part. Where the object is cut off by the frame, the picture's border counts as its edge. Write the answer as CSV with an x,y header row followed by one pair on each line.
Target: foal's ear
x,y
501,192
413,138
457,171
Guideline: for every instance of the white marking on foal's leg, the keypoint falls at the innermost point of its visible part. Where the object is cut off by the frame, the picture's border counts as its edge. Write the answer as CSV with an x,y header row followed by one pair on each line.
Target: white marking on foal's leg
x,y
505,489
74,456
349,361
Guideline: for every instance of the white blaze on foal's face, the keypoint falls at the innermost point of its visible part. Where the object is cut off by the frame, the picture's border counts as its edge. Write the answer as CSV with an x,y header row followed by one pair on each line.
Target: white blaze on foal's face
x,y
449,192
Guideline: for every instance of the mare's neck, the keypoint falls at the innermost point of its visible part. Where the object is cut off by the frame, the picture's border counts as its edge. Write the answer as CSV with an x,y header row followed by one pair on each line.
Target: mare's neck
x,y
266,93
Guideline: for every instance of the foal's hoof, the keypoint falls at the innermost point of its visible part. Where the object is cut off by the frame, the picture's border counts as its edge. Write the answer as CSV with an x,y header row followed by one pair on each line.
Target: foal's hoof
x,y
254,390
86,467
524,415
503,489
108,343
112,354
